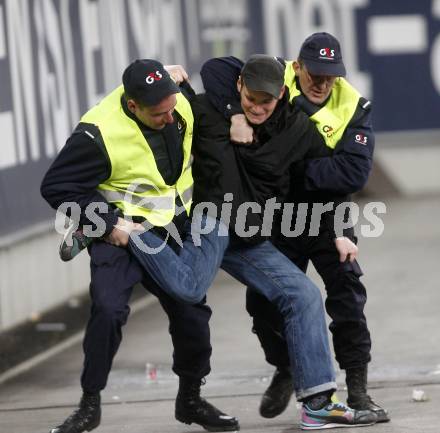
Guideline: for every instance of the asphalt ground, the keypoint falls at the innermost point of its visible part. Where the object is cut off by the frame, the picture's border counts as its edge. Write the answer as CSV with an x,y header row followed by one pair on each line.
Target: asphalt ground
x,y
402,274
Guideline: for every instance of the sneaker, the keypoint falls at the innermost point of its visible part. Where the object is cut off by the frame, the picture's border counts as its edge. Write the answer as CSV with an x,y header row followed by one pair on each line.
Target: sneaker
x,y
277,396
74,241
335,415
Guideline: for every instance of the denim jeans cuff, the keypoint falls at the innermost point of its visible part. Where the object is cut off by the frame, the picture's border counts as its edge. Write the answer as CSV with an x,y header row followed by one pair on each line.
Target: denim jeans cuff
x,y
303,393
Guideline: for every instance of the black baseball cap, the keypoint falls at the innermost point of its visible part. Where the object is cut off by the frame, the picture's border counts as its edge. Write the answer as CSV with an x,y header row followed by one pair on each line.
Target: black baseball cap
x,y
148,82
263,73
321,53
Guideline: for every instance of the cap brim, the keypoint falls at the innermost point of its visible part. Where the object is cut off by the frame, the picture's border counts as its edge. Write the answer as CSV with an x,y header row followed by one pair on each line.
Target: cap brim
x,y
260,85
321,68
161,91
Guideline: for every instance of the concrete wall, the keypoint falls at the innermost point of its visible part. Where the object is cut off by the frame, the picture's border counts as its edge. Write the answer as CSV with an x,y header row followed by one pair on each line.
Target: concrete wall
x,y
34,279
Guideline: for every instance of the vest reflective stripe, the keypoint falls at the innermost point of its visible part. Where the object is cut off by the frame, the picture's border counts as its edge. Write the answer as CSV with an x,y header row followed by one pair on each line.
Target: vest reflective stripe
x,y
163,203
143,188
332,119
135,185
187,194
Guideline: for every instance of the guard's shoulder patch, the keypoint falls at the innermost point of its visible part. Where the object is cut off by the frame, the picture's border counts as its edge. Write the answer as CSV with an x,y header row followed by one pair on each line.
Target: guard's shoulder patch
x,y
365,104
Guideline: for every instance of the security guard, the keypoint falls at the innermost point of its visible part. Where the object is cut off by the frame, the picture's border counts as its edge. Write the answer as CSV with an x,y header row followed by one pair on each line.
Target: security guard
x,y
342,116
131,152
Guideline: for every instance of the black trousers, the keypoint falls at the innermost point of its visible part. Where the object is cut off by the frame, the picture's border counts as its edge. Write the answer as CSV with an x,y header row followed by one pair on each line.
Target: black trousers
x,y
346,298
113,273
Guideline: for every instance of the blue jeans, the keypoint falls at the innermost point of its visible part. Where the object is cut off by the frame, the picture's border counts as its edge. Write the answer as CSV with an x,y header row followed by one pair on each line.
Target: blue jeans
x,y
188,275
271,273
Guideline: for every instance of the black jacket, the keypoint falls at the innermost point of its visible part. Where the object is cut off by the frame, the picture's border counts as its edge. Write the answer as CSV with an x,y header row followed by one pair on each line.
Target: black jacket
x,y
254,173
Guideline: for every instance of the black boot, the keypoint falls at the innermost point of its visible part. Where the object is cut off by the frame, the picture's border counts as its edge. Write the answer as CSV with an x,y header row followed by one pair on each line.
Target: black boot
x,y
278,394
86,418
356,379
191,408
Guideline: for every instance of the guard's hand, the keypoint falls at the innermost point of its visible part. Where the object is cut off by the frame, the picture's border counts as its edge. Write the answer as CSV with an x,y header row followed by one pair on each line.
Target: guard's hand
x,y
241,132
347,249
120,234
177,73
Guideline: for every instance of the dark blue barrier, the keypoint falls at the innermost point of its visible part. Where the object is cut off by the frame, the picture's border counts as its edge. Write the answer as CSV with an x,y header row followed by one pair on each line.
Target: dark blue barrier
x,y
59,57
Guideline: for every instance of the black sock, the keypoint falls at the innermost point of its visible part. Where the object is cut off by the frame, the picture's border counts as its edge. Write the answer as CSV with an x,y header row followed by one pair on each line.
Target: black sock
x,y
318,401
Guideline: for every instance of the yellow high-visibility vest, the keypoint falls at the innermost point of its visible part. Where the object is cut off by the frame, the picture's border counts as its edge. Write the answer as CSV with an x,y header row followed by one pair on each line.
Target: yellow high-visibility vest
x,y
135,185
332,119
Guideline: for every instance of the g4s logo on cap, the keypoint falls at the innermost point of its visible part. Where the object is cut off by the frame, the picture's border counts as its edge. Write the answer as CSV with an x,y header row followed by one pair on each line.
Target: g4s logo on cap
x,y
361,139
153,76
327,53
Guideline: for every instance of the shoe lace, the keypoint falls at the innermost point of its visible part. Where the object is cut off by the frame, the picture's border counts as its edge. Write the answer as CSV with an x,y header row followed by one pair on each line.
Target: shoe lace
x,y
88,401
193,389
367,400
79,417
338,405
85,412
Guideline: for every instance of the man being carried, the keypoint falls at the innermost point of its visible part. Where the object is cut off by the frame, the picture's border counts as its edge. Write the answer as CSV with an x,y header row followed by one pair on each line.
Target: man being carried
x,y
343,118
